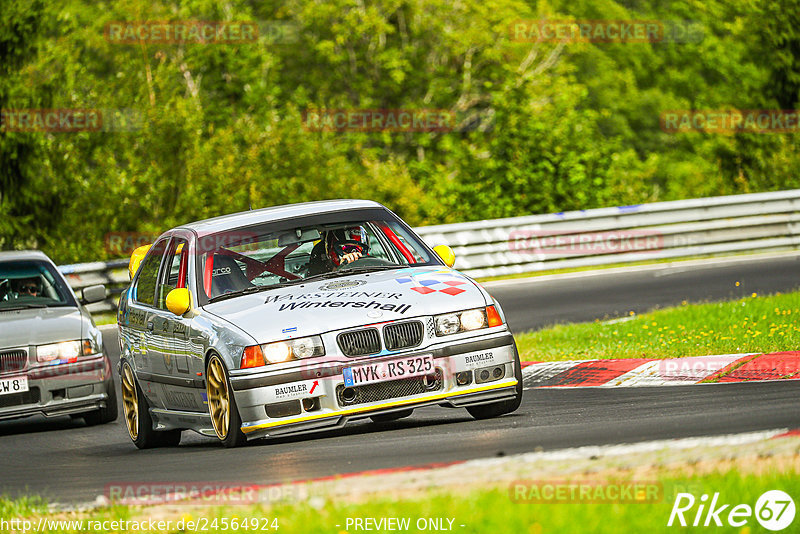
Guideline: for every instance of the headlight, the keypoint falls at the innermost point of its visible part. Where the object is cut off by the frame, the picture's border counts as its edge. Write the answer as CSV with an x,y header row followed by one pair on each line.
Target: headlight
x,y
282,351
465,321
66,350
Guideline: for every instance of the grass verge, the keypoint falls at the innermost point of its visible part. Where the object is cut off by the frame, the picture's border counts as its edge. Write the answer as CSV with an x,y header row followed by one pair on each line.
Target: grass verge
x,y
752,324
520,507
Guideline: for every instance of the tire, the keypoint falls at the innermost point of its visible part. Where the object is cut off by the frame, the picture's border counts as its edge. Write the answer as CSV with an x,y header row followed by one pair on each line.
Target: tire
x,y
137,415
222,405
495,409
389,417
108,413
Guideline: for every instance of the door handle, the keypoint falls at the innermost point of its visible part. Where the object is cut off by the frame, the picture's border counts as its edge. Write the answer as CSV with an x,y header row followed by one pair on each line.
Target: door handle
x,y
150,325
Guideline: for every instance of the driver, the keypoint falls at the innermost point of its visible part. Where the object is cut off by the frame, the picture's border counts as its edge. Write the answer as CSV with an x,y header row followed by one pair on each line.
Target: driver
x,y
346,245
30,287
338,247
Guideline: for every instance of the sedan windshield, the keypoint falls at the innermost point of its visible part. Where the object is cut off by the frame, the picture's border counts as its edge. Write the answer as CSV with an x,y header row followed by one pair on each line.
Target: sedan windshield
x,y
255,259
31,284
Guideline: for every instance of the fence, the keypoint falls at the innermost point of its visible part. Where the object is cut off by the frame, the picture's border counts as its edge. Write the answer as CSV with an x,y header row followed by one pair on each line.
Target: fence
x,y
757,222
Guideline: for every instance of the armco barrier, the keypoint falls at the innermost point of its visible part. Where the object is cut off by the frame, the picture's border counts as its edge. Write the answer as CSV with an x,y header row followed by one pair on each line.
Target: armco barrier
x,y
756,222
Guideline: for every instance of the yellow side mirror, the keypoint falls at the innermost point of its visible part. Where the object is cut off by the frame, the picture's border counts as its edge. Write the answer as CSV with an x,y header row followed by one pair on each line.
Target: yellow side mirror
x,y
136,259
179,301
446,253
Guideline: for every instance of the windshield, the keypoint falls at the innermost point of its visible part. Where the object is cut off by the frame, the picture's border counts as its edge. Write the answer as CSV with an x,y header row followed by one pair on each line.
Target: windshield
x,y
31,284
254,259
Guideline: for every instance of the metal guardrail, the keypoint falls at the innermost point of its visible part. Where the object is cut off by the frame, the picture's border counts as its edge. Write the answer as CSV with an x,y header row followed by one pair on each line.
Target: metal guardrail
x,y
756,222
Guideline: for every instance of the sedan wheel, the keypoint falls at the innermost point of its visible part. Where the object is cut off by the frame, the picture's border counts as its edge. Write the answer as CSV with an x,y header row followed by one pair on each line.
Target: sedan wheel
x,y
130,402
137,416
222,405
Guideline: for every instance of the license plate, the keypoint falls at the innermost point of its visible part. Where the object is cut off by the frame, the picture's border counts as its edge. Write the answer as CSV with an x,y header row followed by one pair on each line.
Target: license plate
x,y
16,384
391,370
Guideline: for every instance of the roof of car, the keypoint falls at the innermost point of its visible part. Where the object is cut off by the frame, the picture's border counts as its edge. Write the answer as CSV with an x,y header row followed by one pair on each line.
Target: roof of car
x,y
275,213
8,255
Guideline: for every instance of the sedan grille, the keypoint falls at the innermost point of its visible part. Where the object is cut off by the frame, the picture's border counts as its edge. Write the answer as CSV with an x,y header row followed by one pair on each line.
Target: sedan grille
x,y
19,399
392,389
403,335
13,360
359,342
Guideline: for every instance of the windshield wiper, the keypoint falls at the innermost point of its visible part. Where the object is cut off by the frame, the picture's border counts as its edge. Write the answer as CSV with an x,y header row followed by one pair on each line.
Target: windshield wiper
x,y
367,269
23,307
246,291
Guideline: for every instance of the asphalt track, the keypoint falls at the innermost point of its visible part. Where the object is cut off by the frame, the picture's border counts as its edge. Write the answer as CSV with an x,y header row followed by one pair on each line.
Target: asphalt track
x,y
67,462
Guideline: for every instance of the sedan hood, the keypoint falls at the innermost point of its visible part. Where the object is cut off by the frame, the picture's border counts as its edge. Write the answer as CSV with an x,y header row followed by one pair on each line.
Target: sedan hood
x,y
39,326
349,301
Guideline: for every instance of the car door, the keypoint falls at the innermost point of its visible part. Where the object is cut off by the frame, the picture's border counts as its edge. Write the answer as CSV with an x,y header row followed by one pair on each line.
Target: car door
x,y
142,319
180,386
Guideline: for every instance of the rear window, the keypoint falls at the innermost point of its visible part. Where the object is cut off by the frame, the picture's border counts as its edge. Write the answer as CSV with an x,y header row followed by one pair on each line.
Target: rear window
x,y
32,284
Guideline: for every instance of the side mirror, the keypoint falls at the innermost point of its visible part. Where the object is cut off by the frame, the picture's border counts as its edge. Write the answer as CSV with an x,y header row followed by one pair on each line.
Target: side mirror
x,y
446,253
179,301
136,259
93,294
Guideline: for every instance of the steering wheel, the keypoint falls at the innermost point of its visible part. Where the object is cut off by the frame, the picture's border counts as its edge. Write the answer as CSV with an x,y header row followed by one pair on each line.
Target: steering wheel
x,y
340,251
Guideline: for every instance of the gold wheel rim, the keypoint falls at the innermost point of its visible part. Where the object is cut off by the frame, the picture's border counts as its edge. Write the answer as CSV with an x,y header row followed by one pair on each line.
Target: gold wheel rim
x,y
218,397
130,402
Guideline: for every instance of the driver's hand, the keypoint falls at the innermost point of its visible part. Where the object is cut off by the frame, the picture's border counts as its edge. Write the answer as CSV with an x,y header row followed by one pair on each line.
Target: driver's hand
x,y
351,257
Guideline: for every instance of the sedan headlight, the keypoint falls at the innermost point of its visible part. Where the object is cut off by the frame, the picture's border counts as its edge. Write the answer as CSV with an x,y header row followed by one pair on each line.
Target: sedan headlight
x,y
465,321
65,351
282,351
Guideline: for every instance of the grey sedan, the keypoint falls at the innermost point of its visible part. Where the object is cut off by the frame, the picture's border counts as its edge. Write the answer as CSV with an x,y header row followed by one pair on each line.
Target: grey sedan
x,y
52,360
304,317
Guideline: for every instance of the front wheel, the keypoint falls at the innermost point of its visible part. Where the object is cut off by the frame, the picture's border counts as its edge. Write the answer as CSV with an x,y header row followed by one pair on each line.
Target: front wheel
x,y
137,415
222,405
487,411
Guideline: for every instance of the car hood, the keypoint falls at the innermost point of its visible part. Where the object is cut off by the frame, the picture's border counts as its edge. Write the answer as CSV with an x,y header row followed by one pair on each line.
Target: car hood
x,y
348,301
39,326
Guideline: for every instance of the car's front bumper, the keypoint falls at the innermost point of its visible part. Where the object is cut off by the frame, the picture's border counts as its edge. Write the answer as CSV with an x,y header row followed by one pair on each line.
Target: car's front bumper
x,y
254,393
63,389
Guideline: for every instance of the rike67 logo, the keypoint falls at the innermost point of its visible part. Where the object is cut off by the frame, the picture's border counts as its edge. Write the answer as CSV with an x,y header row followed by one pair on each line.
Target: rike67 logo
x,y
774,510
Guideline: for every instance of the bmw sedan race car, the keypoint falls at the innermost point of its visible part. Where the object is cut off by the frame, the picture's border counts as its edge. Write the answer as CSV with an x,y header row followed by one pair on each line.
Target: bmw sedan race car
x,y
300,318
52,359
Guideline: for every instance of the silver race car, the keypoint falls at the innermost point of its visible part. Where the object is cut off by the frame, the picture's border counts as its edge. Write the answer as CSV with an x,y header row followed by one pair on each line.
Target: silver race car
x,y
52,359
300,318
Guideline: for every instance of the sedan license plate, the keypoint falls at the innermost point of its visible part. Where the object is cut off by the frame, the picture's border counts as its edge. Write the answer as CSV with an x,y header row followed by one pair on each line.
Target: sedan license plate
x,y
392,370
15,384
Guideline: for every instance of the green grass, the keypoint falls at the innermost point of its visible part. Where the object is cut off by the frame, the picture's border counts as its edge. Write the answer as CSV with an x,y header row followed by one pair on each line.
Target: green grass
x,y
480,511
752,324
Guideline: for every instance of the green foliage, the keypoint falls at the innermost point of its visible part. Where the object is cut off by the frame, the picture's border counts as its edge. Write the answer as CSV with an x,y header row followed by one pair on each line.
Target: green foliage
x,y
217,128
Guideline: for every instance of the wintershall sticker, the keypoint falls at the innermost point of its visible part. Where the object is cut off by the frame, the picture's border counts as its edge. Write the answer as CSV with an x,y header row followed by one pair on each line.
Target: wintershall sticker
x,y
374,305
